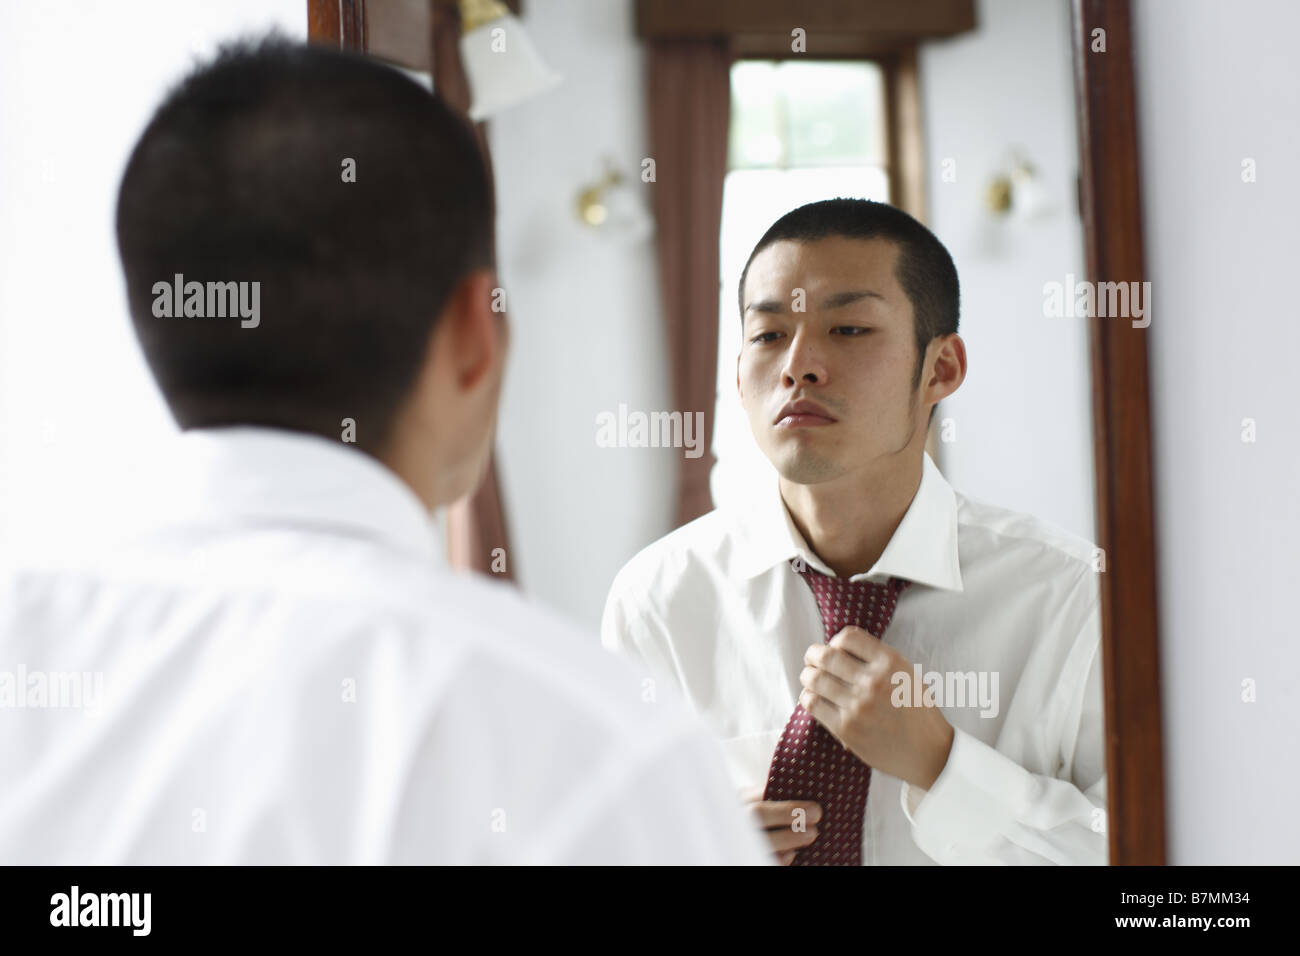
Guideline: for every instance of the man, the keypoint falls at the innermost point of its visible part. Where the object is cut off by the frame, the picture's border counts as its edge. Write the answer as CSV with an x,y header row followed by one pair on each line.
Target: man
x,y
774,618
273,667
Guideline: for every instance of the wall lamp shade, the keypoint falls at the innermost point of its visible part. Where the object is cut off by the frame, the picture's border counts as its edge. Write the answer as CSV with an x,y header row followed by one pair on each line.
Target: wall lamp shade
x,y
501,64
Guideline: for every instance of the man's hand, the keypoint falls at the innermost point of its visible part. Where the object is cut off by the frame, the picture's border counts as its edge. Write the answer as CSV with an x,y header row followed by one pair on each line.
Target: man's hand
x,y
848,689
790,825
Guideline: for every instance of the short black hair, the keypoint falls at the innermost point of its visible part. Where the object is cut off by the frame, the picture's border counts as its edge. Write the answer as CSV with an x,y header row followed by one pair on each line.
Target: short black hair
x,y
240,177
924,268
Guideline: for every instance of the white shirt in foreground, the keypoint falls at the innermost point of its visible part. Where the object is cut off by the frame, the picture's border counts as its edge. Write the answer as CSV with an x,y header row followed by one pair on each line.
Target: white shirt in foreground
x,y
716,610
278,670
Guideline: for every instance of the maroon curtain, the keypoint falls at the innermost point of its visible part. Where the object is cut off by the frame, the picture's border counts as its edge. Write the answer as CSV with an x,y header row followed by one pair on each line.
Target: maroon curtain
x,y
689,93
476,524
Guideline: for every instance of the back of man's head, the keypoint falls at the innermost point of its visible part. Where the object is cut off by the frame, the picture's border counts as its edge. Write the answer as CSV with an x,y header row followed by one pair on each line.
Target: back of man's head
x,y
354,198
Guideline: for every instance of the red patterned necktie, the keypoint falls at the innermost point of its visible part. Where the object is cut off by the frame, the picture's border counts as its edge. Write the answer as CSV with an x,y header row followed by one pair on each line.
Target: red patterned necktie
x,y
809,763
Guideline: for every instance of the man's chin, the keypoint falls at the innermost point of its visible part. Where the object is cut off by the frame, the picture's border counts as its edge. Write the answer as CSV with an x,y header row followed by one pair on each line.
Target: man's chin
x,y
807,469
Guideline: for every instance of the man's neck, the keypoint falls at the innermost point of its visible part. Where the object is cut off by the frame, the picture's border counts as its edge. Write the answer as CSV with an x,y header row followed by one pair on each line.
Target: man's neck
x,y
848,522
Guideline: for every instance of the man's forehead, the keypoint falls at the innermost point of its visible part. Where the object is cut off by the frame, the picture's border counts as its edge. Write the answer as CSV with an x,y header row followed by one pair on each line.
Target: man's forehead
x,y
821,264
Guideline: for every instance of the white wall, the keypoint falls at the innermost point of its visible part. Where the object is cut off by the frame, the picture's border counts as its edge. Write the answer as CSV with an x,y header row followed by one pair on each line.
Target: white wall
x,y
78,83
586,330
1023,417
1218,83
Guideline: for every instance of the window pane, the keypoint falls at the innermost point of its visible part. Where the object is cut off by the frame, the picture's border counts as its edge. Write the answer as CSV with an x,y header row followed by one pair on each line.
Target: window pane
x,y
756,137
790,113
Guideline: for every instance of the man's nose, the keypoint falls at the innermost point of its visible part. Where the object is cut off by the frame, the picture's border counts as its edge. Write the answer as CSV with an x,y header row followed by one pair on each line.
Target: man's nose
x,y
803,363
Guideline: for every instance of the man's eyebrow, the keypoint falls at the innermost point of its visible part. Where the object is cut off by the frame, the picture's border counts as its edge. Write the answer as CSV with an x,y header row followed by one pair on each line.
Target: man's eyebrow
x,y
833,301
847,298
775,306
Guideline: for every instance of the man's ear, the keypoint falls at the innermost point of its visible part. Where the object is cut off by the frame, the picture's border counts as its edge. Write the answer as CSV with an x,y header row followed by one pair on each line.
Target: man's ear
x,y
474,334
949,365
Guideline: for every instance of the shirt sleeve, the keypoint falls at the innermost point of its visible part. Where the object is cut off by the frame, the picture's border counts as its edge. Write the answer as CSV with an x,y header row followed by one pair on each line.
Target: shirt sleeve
x,y
984,808
614,626
631,628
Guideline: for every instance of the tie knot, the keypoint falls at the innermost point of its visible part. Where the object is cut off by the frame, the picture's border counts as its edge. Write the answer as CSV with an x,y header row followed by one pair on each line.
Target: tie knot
x,y
844,603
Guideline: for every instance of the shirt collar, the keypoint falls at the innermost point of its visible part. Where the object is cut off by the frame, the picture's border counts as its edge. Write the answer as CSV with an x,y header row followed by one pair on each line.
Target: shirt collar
x,y
923,548
255,475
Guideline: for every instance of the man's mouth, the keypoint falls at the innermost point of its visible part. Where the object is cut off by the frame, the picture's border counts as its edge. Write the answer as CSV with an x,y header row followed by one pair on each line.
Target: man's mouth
x,y
802,414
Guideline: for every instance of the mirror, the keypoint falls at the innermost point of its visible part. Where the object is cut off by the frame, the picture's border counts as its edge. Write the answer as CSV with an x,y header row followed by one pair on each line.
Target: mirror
x,y
677,137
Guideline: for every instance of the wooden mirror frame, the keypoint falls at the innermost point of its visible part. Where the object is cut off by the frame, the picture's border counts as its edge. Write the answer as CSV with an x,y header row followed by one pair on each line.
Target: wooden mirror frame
x,y
1110,200
1111,209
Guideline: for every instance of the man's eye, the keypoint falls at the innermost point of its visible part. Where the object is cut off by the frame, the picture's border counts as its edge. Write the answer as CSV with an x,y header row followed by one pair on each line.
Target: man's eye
x,y
851,330
763,337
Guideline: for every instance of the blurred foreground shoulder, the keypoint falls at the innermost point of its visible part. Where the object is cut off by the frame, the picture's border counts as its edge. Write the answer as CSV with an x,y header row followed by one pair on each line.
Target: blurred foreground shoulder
x,y
575,763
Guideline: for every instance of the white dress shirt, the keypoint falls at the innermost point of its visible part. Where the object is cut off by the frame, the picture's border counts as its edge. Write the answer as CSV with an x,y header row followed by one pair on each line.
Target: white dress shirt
x,y
279,669
716,609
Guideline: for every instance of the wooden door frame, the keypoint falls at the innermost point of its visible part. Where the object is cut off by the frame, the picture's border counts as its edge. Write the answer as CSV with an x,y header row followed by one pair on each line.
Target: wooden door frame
x,y
340,23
